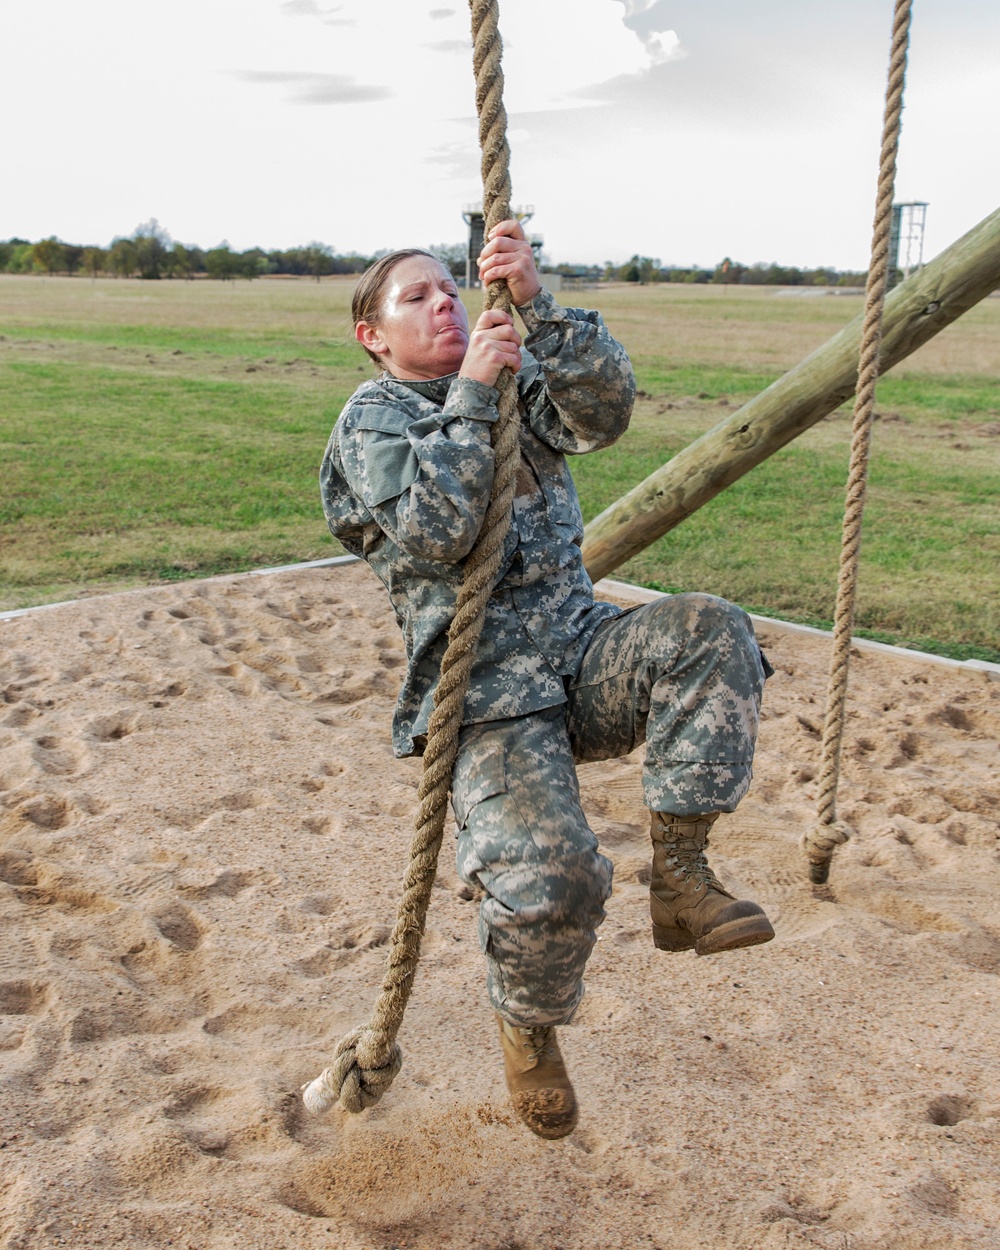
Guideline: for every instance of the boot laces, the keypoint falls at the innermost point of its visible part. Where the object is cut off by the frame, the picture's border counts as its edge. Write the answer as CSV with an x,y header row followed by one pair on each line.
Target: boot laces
x,y
538,1039
689,863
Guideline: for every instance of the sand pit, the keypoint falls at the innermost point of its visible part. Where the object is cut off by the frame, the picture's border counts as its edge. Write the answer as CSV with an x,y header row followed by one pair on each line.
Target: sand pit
x,y
201,833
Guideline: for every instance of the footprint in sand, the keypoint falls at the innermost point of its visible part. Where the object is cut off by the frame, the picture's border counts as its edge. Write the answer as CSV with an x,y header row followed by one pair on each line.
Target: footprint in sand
x,y
59,757
344,945
114,727
18,867
19,999
159,698
21,714
906,914
179,925
128,1014
196,815
229,883
46,811
947,1110
197,1111
323,826
56,888
27,677
22,998
242,680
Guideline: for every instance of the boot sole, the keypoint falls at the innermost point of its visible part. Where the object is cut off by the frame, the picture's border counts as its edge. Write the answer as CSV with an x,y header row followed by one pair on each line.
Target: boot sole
x,y
746,931
548,1131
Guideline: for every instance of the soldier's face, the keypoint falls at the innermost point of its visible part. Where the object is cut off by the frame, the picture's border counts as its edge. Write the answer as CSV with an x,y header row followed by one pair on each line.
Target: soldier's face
x,y
423,328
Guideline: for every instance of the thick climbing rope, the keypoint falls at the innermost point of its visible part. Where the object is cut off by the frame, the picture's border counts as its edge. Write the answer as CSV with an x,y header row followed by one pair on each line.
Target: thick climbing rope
x,y
366,1060
829,832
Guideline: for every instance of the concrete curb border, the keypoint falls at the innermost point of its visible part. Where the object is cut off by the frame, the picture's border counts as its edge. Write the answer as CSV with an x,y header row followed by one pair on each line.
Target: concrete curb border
x,y
13,613
624,590
991,671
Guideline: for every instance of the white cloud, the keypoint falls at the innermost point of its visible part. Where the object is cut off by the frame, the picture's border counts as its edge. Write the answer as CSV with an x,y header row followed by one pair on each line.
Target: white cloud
x,y
318,88
450,45
649,21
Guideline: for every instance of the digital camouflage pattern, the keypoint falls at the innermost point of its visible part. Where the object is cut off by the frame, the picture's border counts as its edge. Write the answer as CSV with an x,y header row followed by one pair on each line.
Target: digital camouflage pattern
x,y
524,839
405,483
683,674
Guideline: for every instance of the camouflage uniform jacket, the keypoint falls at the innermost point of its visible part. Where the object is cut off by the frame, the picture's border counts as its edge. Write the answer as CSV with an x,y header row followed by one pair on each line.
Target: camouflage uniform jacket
x,y
405,482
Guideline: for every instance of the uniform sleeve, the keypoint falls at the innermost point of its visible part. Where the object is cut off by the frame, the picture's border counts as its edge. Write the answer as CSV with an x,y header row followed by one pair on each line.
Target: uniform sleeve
x,y
425,478
578,385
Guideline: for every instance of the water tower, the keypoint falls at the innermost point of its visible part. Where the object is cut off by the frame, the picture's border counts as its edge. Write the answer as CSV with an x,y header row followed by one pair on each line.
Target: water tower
x,y
473,217
906,237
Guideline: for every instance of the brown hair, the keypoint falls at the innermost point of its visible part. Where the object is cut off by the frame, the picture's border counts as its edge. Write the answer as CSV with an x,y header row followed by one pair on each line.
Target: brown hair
x,y
369,293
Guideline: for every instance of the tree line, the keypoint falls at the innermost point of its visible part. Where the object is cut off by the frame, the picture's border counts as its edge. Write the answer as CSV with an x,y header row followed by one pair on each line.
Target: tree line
x,y
150,253
647,269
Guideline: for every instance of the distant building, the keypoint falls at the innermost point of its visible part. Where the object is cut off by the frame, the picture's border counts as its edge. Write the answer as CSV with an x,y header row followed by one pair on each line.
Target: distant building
x,y
474,218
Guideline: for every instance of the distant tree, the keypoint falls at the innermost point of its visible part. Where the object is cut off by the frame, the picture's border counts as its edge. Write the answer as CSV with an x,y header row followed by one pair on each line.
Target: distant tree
x,y
222,263
152,243
94,260
351,263
72,257
183,262
22,257
318,260
649,270
288,261
253,262
174,261
452,256
122,260
6,252
49,255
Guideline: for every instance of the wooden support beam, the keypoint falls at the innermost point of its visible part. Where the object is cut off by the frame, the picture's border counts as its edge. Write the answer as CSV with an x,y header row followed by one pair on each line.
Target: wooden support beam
x,y
915,311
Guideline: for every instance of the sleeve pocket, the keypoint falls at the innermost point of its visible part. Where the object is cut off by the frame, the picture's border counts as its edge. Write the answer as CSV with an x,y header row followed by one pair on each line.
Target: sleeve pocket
x,y
390,468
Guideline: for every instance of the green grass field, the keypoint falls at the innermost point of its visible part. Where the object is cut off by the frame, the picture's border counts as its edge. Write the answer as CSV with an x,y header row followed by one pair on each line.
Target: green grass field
x,y
156,431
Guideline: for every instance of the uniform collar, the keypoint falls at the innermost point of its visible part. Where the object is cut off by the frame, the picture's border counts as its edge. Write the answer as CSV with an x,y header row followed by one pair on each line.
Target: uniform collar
x,y
435,389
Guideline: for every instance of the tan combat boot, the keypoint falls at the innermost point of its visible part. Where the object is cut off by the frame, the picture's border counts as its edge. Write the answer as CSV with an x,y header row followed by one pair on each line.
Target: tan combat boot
x,y
539,1084
688,904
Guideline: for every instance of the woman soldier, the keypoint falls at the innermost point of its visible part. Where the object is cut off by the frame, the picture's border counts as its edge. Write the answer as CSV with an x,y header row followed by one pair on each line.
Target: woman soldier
x,y
558,678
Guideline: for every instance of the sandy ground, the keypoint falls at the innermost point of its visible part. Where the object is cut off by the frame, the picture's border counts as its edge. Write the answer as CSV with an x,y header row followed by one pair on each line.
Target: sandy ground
x,y
202,829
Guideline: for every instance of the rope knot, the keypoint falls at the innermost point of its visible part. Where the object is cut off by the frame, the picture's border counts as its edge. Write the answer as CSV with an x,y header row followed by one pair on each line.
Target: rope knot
x,y
364,1066
819,843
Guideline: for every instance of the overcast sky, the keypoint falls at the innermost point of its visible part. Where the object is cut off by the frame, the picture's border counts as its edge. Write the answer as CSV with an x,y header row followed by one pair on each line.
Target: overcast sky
x,y
681,129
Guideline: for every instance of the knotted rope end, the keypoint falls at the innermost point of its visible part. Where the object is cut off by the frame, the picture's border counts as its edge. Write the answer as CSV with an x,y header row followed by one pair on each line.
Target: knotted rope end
x,y
356,1080
819,844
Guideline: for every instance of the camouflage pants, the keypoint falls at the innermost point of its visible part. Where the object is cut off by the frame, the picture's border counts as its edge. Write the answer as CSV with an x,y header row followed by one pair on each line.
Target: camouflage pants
x,y
684,675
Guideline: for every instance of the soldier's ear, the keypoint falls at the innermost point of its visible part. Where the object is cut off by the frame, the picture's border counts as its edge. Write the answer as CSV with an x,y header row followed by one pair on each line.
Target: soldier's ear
x,y
369,338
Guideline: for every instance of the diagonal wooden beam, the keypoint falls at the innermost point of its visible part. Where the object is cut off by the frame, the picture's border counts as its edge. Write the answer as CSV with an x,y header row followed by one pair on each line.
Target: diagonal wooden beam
x,y
915,311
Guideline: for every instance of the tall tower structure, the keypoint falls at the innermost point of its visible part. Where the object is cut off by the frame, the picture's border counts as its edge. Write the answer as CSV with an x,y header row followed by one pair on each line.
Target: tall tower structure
x,y
474,218
906,237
